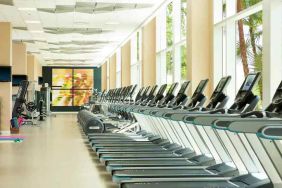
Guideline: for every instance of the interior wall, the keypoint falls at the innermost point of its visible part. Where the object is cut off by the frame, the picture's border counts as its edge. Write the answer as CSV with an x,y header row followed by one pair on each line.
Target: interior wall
x,y
5,87
125,64
32,68
113,72
200,42
149,54
19,59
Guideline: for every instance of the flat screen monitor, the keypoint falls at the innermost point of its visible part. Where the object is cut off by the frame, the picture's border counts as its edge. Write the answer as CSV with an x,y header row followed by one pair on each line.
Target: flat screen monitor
x,y
171,89
184,87
5,74
201,86
162,89
17,79
222,83
249,82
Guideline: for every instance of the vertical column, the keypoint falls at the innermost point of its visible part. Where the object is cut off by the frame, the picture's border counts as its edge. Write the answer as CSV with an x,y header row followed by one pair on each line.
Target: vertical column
x,y
19,58
31,68
104,76
19,61
5,87
272,48
113,71
200,42
149,54
125,64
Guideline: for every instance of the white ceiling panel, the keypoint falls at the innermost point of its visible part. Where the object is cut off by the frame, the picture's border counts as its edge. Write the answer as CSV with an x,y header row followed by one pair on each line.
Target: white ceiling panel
x,y
83,31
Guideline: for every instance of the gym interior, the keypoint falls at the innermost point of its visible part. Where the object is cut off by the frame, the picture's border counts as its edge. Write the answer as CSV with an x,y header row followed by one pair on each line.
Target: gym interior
x,y
141,93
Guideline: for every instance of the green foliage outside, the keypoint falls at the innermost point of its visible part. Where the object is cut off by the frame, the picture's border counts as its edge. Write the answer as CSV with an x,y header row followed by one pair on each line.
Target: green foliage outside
x,y
253,42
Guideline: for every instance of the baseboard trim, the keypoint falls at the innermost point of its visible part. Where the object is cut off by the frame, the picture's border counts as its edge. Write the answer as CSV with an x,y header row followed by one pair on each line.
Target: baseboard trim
x,y
5,133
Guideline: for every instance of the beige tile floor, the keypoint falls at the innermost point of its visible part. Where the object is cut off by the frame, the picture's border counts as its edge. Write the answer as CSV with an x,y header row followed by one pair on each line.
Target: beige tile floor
x,y
54,155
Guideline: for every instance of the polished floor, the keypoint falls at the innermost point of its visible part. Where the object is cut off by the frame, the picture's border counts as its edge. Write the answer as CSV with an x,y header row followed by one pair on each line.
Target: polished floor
x,y
54,155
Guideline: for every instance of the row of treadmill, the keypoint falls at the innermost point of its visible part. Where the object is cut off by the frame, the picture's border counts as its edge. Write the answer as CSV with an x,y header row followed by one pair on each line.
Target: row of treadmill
x,y
184,143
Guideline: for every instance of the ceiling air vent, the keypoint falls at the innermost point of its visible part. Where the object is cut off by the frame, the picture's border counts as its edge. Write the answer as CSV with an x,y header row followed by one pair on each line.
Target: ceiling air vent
x,y
93,7
83,31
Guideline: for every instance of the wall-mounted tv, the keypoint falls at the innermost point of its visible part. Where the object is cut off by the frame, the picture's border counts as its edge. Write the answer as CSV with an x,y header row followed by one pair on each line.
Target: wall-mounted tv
x,y
17,79
5,73
40,80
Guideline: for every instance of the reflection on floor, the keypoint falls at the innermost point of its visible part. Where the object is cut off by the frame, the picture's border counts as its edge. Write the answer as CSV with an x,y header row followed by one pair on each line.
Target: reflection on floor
x,y
54,155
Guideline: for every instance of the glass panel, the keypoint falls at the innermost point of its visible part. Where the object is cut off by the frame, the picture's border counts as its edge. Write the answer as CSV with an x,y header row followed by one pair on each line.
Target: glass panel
x,y
81,97
138,46
249,49
169,67
61,98
183,18
169,29
83,78
62,78
244,4
183,63
118,80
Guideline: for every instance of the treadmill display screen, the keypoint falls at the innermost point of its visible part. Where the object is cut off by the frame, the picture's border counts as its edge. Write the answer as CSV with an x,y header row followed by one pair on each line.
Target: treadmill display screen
x,y
201,86
249,82
221,85
183,87
162,89
171,88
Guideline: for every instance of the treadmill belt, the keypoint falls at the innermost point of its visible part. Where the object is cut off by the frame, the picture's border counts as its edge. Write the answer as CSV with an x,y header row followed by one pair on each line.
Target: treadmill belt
x,y
163,173
141,155
151,163
197,184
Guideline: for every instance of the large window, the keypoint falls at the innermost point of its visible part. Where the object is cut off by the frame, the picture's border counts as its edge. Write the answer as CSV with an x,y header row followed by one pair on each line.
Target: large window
x,y
118,68
71,87
238,40
171,54
136,46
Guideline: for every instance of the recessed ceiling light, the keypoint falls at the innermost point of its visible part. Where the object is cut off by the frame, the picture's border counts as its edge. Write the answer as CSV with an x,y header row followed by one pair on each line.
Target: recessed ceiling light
x,y
32,21
112,23
27,9
37,31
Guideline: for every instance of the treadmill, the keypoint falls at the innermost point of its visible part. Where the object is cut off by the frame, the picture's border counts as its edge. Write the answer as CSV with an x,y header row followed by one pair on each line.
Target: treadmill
x,y
140,134
173,150
181,96
196,98
176,180
217,97
141,144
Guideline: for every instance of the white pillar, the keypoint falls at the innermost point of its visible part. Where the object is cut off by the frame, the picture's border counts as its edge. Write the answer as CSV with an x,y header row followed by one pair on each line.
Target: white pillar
x,y
272,48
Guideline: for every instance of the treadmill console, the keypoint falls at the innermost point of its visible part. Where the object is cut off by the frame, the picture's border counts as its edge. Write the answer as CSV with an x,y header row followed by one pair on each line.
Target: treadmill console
x,y
218,95
144,95
245,95
150,95
158,96
181,96
139,94
276,104
169,96
198,96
